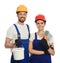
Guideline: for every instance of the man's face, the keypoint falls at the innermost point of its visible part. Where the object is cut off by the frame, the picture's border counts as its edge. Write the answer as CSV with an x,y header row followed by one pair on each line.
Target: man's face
x,y
22,16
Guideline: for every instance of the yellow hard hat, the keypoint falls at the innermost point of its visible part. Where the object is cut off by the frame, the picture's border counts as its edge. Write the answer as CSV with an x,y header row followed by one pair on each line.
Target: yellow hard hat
x,y
22,8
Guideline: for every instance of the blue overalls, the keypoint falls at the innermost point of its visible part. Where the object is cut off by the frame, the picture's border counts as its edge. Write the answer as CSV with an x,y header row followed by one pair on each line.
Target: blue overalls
x,y
25,45
43,58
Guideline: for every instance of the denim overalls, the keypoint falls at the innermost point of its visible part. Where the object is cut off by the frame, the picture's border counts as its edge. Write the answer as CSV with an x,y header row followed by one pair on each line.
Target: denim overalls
x,y
25,45
43,58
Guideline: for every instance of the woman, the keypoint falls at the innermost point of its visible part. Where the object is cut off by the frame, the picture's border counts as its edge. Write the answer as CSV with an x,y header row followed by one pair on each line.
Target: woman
x,y
41,45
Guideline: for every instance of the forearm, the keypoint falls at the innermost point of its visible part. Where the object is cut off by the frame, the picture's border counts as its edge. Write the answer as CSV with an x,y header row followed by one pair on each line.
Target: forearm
x,y
36,52
10,45
52,51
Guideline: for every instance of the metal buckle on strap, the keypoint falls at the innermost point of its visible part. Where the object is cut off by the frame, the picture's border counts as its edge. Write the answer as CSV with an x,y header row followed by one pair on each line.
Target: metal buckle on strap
x,y
18,35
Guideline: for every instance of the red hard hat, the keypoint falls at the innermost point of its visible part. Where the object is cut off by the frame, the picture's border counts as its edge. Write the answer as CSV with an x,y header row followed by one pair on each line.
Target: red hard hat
x,y
40,17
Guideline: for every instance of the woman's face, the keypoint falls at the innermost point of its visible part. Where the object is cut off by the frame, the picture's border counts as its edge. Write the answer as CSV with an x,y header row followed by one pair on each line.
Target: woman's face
x,y
40,25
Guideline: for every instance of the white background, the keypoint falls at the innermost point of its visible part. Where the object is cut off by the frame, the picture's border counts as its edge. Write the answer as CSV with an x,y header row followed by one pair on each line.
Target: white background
x,y
50,8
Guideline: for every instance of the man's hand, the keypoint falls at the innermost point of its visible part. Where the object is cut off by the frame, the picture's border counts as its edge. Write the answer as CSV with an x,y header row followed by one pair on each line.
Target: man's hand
x,y
9,44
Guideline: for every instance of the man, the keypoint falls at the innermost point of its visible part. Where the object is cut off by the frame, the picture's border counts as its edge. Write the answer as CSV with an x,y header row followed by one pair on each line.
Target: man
x,y
21,32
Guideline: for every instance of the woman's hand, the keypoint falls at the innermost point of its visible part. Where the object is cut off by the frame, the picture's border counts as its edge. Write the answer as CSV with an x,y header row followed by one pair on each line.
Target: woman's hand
x,y
46,37
51,51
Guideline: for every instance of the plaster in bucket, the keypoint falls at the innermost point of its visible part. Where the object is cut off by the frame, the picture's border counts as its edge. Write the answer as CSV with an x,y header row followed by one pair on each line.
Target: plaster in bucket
x,y
18,53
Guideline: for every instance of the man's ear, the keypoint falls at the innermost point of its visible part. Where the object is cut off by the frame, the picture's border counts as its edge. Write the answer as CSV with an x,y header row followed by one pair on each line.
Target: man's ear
x,y
17,15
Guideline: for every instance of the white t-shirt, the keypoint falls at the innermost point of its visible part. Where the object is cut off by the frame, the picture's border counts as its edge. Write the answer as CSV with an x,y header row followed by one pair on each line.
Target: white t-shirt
x,y
12,33
32,37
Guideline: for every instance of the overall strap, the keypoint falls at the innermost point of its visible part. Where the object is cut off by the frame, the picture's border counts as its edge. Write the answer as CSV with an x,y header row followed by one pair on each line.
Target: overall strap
x,y
36,36
28,30
18,33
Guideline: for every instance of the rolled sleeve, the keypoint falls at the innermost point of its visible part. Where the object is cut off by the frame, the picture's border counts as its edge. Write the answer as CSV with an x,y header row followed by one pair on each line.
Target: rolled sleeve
x,y
10,33
32,37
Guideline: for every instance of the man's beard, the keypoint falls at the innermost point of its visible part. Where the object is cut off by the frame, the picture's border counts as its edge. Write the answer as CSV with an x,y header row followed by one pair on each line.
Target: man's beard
x,y
22,19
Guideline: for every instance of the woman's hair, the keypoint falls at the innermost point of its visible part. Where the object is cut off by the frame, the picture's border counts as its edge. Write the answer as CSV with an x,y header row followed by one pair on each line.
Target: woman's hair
x,y
40,19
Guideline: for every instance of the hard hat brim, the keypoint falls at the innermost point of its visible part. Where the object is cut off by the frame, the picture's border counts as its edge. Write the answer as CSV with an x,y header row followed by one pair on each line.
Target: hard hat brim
x,y
21,11
40,19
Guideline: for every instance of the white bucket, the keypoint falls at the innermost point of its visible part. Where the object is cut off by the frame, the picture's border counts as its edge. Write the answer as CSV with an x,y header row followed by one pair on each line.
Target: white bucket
x,y
18,53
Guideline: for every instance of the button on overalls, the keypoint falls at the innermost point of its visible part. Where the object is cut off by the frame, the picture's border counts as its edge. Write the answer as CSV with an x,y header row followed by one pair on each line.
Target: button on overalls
x,y
43,58
25,45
